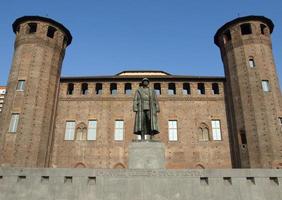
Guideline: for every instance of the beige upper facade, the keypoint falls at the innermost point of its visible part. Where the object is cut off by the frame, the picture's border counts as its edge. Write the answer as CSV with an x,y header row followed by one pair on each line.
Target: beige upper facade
x,y
205,122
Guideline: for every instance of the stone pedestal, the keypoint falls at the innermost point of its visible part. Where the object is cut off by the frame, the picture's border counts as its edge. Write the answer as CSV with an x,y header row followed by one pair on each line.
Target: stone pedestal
x,y
146,155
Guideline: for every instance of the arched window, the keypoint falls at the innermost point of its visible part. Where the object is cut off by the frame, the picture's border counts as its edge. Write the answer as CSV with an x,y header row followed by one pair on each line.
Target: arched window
x,y
186,88
127,88
119,166
226,36
113,88
51,32
199,166
84,89
203,134
246,29
263,29
252,63
157,88
201,88
99,88
70,89
215,88
80,165
171,89
32,27
81,132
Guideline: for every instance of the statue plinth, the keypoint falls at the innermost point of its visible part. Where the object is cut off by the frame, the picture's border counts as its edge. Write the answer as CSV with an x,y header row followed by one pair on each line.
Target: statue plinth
x,y
146,155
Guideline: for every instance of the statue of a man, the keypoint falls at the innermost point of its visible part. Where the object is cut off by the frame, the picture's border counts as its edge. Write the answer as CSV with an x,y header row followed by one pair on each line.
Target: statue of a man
x,y
146,107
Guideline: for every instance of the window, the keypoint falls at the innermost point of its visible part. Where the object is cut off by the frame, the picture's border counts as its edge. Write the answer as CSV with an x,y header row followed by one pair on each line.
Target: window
x,y
84,89
226,36
70,130
92,128
246,29
265,85
186,88
280,120
243,137
127,89
14,123
99,88
216,131
171,89
252,62
81,130
203,133
113,88
172,130
70,89
51,32
201,88
157,88
263,29
119,129
20,85
32,27
215,88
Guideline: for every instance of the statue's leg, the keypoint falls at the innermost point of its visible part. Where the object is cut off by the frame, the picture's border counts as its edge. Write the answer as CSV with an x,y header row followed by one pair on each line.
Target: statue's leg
x,y
143,132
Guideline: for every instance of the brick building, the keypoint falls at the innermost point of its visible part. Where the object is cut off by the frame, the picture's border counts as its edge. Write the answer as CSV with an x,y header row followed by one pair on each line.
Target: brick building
x,y
2,96
205,122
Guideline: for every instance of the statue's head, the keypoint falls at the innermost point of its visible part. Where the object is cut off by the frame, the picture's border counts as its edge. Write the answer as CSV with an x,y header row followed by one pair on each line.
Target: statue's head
x,y
145,82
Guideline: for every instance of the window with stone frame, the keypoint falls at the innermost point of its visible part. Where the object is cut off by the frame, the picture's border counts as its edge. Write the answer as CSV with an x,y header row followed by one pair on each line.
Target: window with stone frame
x,y
70,130
201,88
203,134
252,63
186,89
84,89
14,122
157,88
246,29
20,85
171,89
81,131
92,130
265,85
32,28
215,88
70,89
119,130
51,32
172,130
127,89
113,88
99,88
216,129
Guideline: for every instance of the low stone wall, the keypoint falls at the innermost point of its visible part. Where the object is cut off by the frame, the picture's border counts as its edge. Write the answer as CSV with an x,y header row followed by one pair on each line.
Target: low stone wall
x,y
103,184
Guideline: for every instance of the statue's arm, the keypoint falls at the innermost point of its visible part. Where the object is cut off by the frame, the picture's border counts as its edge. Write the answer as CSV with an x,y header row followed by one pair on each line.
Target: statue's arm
x,y
156,100
135,102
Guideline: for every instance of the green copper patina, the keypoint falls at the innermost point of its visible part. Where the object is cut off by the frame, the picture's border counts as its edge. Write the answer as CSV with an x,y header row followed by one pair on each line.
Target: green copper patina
x,y
146,107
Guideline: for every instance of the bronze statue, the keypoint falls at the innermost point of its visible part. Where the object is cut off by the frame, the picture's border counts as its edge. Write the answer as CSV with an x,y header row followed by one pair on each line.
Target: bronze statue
x,y
146,107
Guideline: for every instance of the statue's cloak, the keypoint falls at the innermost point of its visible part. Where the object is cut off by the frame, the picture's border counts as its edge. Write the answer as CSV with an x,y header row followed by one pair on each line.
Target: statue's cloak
x,y
138,108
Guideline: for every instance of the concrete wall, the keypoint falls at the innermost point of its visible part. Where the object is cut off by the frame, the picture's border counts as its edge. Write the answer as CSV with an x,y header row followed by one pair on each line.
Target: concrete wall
x,y
102,184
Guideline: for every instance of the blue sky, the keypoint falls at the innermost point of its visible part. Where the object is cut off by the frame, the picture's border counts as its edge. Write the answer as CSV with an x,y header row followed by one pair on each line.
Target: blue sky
x,y
114,35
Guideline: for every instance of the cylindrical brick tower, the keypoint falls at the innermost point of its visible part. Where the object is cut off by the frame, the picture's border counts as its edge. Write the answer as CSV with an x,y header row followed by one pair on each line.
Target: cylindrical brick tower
x,y
27,121
252,92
